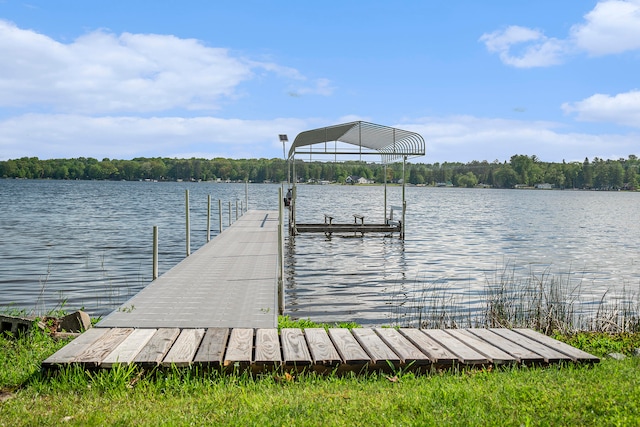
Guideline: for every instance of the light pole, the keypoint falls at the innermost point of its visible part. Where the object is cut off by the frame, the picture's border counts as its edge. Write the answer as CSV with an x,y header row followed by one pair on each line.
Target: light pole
x,y
283,139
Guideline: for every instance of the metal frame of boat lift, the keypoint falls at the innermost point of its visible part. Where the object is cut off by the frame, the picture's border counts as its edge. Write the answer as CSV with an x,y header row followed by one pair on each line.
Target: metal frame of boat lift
x,y
391,144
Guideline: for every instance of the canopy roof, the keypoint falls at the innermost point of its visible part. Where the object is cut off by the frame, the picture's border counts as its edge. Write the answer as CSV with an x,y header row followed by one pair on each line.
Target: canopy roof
x,y
390,143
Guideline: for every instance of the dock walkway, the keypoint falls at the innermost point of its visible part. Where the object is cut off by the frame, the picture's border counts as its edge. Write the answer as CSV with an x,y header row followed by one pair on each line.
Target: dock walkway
x,y
230,282
314,349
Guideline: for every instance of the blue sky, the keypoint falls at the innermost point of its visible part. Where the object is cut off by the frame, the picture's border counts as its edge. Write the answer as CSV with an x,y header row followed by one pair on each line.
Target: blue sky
x,y
479,80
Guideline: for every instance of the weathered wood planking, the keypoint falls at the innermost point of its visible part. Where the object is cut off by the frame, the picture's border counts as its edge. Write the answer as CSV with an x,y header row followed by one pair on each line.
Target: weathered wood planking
x,y
157,347
464,353
348,347
93,355
378,351
70,352
342,349
212,348
550,355
409,353
438,354
494,354
267,347
240,347
129,348
522,354
184,348
575,354
322,350
294,347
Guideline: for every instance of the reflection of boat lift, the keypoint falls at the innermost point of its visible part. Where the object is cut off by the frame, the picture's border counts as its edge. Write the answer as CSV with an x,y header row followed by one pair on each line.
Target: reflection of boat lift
x,y
390,144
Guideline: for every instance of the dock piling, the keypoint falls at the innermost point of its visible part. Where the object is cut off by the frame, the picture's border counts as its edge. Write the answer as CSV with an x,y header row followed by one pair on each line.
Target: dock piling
x,y
155,252
208,217
188,226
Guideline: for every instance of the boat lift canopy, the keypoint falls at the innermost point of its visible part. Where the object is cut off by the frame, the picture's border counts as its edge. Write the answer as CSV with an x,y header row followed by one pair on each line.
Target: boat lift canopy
x,y
359,138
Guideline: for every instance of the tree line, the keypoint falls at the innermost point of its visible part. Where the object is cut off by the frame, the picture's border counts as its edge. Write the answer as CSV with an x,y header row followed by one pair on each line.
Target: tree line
x,y
520,170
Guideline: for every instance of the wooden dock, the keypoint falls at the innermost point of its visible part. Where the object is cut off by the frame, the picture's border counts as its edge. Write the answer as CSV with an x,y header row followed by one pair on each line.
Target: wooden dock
x,y
229,282
313,349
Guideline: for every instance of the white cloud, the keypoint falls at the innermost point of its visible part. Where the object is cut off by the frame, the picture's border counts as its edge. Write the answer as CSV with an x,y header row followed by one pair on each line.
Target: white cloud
x,y
539,50
613,26
102,73
72,135
467,138
623,108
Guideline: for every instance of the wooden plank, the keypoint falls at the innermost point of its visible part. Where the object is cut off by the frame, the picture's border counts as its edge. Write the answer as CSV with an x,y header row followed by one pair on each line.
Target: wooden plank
x,y
374,346
157,347
493,353
267,347
294,347
409,353
69,352
522,355
240,347
129,348
322,350
550,355
212,347
465,354
184,348
348,347
437,353
574,353
97,351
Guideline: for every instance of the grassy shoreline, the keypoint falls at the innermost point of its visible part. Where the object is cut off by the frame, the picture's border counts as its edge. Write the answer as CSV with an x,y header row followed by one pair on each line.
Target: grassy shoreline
x,y
604,394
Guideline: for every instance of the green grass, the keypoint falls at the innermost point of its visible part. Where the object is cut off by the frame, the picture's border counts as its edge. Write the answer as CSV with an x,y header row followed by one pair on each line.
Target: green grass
x,y
288,322
607,393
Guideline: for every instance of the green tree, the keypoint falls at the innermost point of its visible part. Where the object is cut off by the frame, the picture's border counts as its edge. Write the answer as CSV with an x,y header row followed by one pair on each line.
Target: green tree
x,y
505,177
468,180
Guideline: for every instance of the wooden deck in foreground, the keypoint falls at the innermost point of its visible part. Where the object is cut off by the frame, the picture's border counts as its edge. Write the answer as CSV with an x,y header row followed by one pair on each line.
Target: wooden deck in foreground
x,y
313,349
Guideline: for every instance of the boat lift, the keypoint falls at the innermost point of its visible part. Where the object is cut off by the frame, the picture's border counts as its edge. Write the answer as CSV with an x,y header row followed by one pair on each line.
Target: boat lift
x,y
354,140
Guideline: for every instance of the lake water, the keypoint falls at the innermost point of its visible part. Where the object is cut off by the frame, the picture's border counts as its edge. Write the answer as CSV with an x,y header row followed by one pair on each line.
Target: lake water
x,y
89,244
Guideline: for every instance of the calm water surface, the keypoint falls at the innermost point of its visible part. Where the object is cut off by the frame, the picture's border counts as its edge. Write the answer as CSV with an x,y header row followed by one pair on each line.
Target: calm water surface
x,y
89,244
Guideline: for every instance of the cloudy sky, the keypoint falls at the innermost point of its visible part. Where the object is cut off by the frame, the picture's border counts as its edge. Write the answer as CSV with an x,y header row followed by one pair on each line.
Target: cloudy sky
x,y
480,80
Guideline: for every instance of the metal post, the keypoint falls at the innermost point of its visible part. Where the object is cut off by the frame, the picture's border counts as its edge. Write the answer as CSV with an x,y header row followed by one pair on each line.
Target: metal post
x,y
155,252
294,194
208,217
229,213
246,195
220,214
188,230
404,201
280,253
385,193
236,209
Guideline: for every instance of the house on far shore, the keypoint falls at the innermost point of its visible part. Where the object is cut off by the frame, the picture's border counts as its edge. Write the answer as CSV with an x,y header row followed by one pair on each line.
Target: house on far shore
x,y
354,179
544,186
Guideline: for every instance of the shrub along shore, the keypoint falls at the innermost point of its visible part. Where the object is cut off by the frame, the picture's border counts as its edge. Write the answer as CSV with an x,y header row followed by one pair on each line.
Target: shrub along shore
x,y
603,394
